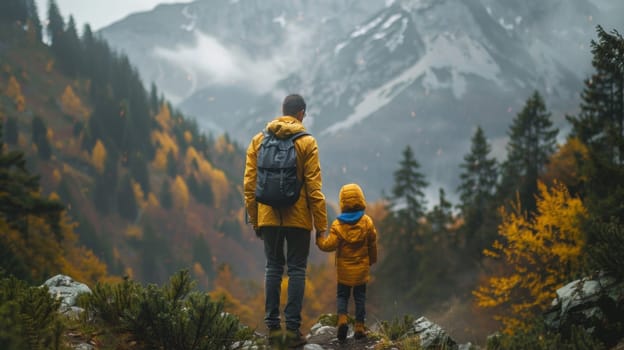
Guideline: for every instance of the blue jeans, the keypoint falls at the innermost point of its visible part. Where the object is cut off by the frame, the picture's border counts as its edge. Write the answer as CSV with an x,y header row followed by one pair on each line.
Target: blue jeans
x,y
359,296
297,250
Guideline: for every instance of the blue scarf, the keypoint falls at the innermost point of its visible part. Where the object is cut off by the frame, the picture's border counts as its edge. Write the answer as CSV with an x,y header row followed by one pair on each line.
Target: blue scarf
x,y
351,217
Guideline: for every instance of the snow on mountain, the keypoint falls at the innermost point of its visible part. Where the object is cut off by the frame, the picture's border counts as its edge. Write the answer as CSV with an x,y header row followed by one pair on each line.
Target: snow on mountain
x,y
422,73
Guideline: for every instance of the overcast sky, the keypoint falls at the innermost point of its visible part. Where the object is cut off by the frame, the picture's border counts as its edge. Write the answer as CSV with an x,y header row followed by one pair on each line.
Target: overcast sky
x,y
98,13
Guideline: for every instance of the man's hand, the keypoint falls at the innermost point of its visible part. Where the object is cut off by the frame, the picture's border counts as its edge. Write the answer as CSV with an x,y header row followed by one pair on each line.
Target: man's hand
x,y
319,234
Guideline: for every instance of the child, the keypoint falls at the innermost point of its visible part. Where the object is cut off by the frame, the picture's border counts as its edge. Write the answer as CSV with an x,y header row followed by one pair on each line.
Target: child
x,y
354,238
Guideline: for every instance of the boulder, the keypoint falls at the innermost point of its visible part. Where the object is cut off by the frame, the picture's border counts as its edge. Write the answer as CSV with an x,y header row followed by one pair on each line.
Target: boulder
x,y
431,335
595,303
65,288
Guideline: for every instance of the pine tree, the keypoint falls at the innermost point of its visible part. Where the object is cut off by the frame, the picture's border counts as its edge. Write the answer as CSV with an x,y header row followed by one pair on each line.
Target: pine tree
x,y
600,125
33,18
21,204
40,138
13,10
476,192
126,202
403,236
532,140
70,56
56,27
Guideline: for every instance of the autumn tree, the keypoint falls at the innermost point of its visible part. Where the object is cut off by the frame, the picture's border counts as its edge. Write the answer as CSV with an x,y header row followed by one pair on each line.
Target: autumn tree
x,y
541,252
532,140
14,92
71,103
180,193
98,156
566,165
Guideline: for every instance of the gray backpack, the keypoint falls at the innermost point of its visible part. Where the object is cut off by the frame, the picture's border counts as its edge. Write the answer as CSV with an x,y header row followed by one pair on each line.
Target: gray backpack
x,y
276,182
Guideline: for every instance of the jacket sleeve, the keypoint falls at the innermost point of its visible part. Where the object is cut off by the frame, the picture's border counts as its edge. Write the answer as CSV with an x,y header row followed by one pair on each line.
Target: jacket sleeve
x,y
313,186
330,242
249,183
372,243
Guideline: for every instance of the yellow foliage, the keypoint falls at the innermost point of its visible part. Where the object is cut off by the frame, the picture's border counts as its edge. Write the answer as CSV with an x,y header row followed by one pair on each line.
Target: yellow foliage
x,y
54,196
134,231
72,105
56,176
42,250
164,117
138,194
152,200
14,91
188,137
98,156
208,174
244,300
541,252
180,193
165,144
565,164
223,146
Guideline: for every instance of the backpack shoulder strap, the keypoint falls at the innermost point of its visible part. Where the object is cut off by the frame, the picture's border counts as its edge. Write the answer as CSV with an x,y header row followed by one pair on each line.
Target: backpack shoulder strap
x,y
298,135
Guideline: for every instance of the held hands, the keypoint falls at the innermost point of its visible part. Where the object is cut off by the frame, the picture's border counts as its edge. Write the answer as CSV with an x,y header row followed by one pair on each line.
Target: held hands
x,y
319,235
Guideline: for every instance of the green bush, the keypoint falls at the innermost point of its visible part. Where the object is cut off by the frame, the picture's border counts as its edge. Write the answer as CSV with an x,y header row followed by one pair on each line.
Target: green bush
x,y
394,329
168,317
29,317
536,337
606,248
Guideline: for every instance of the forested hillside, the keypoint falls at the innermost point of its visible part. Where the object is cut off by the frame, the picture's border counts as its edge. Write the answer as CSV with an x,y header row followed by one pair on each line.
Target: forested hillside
x,y
143,187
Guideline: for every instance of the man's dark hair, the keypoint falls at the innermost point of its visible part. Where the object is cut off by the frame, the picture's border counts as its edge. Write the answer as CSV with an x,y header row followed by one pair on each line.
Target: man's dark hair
x,y
293,104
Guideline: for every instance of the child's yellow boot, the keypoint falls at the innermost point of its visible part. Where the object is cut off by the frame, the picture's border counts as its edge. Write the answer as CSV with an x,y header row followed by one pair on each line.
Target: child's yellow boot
x,y
360,330
342,327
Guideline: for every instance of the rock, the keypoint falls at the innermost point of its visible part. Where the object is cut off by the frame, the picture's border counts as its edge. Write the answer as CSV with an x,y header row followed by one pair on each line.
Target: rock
x,y
595,303
84,346
65,288
312,347
431,335
466,346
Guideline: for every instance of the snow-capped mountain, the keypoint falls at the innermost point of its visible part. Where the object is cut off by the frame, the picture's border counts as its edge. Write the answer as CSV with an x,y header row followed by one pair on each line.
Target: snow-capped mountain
x,y
251,44
422,73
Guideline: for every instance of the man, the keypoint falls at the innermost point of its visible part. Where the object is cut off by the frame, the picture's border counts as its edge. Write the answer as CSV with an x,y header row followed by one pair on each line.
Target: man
x,y
291,225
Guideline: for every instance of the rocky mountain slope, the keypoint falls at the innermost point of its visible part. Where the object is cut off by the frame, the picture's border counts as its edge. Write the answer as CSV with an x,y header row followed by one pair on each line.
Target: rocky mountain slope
x,y
412,72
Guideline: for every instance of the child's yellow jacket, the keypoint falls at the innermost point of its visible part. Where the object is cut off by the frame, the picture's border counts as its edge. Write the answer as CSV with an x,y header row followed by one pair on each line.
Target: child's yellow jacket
x,y
354,238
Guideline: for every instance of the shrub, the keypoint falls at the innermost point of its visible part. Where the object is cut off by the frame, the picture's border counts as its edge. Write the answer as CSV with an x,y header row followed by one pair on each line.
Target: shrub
x,y
396,328
28,317
536,337
168,317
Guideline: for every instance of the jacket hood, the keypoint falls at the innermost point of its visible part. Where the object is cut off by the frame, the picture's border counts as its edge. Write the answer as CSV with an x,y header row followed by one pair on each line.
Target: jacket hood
x,y
351,198
285,126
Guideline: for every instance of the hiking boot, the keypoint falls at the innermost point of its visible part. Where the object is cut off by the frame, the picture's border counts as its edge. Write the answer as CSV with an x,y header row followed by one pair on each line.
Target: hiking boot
x,y
275,335
343,327
359,330
295,338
